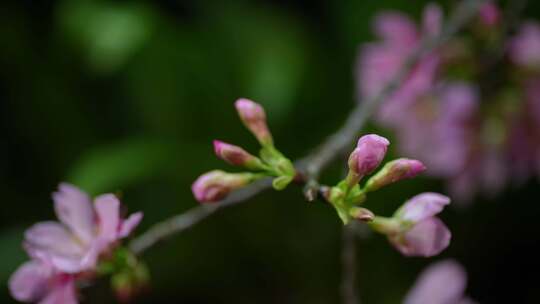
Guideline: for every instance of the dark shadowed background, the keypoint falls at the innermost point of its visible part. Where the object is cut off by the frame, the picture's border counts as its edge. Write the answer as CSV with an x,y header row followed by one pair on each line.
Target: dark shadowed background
x,y
128,95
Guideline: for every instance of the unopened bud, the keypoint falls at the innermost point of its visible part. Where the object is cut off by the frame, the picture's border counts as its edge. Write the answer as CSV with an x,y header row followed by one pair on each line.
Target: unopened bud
x,y
394,171
366,157
236,156
216,185
254,118
361,214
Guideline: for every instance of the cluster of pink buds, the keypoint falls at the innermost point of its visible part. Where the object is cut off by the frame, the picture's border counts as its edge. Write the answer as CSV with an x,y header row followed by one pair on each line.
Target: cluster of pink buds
x,y
74,249
413,229
216,185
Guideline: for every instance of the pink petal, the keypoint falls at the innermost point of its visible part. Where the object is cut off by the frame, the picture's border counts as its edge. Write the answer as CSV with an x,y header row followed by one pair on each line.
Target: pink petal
x,y
441,283
29,282
525,47
63,292
51,242
52,237
108,212
432,19
422,206
427,238
73,207
396,28
129,224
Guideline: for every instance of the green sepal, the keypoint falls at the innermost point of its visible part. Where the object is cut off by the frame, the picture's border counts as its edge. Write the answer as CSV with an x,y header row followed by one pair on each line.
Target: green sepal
x,y
281,182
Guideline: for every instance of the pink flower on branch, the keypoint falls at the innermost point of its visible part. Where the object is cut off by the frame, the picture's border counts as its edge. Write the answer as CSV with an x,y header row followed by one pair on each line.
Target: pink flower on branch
x,y
414,229
63,250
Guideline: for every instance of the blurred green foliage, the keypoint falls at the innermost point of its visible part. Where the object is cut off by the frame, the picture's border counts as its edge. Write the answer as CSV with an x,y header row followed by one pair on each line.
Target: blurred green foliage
x,y
127,96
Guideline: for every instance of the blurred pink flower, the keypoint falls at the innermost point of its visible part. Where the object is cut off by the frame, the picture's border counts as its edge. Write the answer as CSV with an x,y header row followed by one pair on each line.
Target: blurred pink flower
x,y
85,230
62,250
524,49
490,14
381,61
441,283
36,281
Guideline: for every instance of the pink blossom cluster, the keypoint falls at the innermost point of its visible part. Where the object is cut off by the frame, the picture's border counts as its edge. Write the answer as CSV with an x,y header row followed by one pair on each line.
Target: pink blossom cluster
x,y
478,137
65,252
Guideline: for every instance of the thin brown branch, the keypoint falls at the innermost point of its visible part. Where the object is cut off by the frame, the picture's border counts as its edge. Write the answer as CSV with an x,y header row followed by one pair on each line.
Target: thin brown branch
x,y
334,146
349,294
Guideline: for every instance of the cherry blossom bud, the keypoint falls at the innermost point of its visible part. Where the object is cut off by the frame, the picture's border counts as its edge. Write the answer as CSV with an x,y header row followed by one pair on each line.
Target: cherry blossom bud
x,y
367,156
216,185
396,170
361,214
236,156
414,229
254,118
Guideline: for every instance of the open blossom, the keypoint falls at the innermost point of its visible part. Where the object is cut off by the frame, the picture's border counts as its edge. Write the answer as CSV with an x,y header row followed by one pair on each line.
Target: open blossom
x,y
441,283
414,229
36,281
380,61
61,251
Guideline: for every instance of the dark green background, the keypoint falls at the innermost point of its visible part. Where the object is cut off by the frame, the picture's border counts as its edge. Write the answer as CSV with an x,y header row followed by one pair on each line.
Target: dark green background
x,y
128,95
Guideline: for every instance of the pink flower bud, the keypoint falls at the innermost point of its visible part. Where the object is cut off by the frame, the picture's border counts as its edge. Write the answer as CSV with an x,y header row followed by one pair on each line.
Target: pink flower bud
x,y
236,156
216,185
396,170
368,154
254,118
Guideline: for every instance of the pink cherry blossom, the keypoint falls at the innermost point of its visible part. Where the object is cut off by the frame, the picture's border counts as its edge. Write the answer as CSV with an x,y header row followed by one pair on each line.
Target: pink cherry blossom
x,y
37,281
85,230
381,61
423,233
441,283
